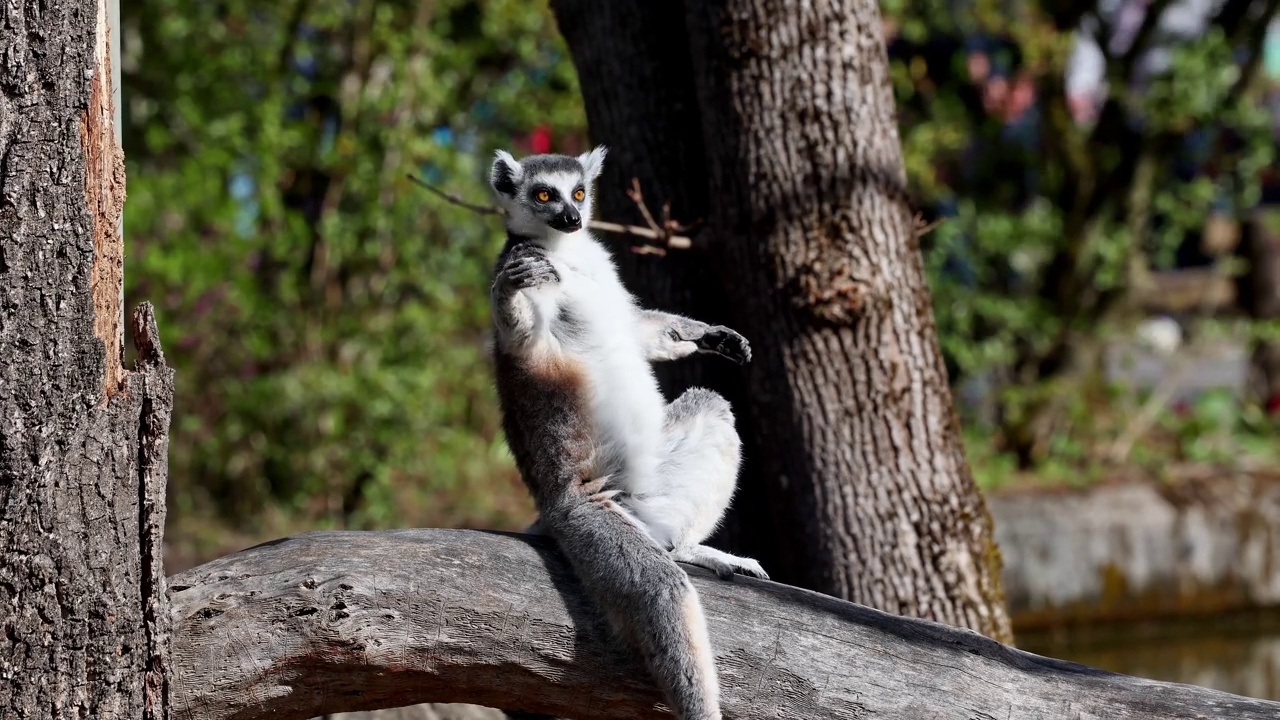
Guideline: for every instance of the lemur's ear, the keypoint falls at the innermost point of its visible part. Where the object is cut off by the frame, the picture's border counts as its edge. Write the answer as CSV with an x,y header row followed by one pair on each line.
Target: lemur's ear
x,y
505,174
593,162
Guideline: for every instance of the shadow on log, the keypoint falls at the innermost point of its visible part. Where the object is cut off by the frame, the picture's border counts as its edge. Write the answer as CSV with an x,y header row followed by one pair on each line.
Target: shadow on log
x,y
341,621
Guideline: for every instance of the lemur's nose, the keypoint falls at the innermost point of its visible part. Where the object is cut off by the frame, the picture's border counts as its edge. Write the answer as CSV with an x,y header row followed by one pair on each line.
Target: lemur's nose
x,y
572,219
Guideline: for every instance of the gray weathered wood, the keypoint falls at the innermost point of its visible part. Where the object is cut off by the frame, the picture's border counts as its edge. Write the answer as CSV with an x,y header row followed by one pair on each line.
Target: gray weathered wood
x,y
425,711
343,621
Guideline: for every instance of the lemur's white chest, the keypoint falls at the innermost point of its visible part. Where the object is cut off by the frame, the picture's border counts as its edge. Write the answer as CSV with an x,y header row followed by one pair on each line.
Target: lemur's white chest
x,y
595,320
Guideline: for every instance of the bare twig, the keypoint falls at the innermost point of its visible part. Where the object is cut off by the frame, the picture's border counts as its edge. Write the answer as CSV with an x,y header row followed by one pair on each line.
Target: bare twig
x,y
665,234
448,197
924,228
677,242
1138,44
1149,412
637,197
1254,41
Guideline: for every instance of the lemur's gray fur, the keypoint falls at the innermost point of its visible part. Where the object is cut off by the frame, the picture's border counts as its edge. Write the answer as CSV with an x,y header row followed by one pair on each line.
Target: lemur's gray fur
x,y
626,484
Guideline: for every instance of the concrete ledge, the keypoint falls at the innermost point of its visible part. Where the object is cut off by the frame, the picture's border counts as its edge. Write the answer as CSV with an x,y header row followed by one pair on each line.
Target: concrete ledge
x,y
1140,550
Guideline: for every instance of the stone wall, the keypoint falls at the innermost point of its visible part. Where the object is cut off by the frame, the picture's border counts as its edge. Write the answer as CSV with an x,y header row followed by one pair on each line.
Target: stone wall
x,y
1140,549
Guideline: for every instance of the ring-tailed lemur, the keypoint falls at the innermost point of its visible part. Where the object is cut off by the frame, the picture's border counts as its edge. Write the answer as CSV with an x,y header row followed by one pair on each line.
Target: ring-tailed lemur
x,y
626,484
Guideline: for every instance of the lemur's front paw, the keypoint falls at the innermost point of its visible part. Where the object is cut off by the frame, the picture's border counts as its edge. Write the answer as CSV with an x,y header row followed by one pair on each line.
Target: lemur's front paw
x,y
529,268
726,342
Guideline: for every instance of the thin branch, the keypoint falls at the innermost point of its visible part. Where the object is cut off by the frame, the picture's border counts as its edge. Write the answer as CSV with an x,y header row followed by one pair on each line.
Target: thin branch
x,y
924,228
1147,416
448,197
1141,40
1066,15
664,235
677,242
1233,16
1255,39
637,197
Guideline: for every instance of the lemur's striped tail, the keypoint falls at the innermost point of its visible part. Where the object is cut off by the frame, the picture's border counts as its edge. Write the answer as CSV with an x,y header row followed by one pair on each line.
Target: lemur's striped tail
x,y
646,597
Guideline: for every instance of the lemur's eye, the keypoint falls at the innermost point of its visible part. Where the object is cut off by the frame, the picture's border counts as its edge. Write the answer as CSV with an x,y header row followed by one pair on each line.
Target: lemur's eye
x,y
542,196
579,194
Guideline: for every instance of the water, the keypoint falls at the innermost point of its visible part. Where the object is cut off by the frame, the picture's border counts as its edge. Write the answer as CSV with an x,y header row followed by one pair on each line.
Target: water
x,y
1238,655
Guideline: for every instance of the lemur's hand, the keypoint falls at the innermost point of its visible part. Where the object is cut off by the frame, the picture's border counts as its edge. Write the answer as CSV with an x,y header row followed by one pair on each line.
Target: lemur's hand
x,y
527,266
725,342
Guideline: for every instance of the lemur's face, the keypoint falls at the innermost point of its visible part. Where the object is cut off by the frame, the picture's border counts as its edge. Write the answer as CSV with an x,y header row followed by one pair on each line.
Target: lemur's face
x,y
546,194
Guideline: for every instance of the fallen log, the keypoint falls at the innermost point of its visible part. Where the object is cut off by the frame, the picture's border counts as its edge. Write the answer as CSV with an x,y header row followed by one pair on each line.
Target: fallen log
x,y
342,621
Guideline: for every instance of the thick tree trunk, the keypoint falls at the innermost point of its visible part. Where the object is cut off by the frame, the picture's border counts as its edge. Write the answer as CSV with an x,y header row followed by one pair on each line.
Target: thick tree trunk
x,y
855,482
82,441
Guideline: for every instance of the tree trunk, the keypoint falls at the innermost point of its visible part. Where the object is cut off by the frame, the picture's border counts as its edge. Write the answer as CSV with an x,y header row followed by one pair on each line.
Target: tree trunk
x,y
83,442
855,482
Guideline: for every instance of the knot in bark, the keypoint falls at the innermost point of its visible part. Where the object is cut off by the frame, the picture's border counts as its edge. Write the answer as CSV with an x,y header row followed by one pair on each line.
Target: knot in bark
x,y
833,293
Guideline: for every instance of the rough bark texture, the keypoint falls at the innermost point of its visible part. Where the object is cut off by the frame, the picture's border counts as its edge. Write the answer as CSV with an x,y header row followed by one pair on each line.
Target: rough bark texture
x,y
346,621
854,480
81,476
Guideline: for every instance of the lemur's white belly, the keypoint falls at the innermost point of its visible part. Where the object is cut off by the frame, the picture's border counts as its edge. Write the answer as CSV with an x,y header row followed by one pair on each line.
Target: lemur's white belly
x,y
626,402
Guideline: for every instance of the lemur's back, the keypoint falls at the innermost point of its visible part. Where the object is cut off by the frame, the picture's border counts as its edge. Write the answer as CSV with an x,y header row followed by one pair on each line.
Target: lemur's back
x,y
547,423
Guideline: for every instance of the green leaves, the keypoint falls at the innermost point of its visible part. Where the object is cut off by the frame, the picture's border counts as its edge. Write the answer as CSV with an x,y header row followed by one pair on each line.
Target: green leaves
x,y
1047,222
326,317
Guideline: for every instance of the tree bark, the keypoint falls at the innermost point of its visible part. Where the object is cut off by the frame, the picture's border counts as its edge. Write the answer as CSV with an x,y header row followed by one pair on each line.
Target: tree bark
x,y
349,621
855,482
83,442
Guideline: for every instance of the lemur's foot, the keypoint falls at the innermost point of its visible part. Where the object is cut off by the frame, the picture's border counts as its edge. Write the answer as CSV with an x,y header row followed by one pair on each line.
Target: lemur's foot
x,y
722,563
528,267
725,342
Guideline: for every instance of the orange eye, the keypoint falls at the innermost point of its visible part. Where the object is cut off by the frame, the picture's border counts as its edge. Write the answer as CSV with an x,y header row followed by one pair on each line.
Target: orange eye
x,y
542,196
579,194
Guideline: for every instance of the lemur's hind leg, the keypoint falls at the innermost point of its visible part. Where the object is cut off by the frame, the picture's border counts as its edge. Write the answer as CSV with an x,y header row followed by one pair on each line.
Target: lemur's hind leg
x,y
698,474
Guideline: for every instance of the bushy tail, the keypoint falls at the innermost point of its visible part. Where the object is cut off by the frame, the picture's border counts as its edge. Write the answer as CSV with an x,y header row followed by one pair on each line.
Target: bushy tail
x,y
647,598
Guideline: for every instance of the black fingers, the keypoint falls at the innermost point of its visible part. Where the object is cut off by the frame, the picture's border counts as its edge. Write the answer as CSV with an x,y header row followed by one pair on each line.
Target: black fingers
x,y
726,342
528,268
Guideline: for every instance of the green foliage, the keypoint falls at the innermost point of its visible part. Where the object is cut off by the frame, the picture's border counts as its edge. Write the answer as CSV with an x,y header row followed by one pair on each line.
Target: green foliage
x,y
325,316
1048,223
1216,430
